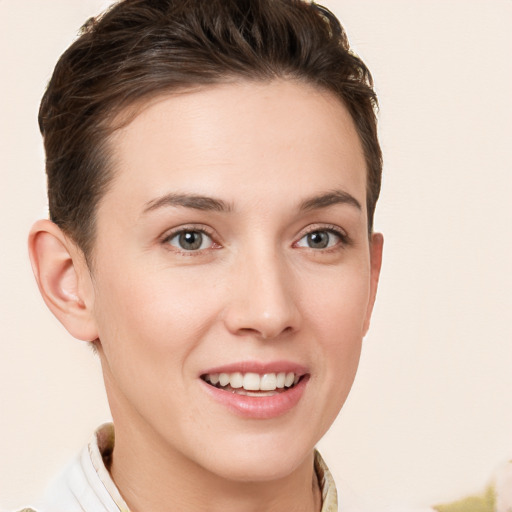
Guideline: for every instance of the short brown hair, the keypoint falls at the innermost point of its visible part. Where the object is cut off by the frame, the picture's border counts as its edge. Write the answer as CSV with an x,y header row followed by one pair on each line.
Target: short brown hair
x,y
140,48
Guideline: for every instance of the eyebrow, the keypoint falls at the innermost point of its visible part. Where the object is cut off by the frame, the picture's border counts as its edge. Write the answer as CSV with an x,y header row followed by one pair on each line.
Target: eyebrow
x,y
329,199
204,203
194,201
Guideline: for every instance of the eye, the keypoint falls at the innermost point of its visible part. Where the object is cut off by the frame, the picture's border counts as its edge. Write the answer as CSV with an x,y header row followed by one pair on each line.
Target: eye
x,y
190,240
320,239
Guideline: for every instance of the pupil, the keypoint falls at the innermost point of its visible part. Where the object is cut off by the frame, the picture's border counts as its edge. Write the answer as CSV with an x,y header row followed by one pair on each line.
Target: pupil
x,y
318,240
191,240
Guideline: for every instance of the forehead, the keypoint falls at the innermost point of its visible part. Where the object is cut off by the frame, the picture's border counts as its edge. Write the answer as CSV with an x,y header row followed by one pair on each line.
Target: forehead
x,y
237,139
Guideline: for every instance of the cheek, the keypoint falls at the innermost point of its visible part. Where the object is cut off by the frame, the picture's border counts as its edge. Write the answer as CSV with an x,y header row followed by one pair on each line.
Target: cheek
x,y
150,316
149,326
338,316
338,303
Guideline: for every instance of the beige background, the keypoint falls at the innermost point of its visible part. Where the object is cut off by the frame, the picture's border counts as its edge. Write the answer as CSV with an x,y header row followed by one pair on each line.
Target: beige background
x,y
431,411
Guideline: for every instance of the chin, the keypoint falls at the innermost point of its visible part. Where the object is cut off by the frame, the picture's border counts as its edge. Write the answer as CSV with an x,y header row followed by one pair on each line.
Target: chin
x,y
259,460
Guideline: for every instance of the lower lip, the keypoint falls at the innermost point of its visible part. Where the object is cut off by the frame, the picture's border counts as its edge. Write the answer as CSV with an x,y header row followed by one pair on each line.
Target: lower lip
x,y
259,407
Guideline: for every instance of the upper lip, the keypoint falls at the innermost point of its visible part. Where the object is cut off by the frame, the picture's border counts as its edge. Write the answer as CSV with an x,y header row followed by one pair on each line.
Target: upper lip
x,y
259,367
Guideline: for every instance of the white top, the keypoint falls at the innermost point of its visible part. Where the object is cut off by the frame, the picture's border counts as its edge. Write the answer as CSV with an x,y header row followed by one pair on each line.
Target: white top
x,y
85,485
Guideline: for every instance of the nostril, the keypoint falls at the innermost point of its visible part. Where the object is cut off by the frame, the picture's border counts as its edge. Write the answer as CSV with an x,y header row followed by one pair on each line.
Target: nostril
x,y
266,335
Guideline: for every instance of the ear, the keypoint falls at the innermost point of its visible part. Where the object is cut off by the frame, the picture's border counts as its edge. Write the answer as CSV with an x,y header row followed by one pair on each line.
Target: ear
x,y
376,245
63,279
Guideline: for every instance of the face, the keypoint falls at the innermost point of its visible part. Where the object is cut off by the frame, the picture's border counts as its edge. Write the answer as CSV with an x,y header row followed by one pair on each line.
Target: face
x,y
233,277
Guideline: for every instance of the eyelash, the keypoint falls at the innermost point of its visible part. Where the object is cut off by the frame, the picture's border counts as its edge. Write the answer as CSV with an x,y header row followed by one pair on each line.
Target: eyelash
x,y
344,239
190,229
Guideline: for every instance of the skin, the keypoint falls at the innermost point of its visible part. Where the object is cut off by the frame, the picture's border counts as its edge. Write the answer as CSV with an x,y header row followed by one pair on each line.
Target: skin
x,y
255,290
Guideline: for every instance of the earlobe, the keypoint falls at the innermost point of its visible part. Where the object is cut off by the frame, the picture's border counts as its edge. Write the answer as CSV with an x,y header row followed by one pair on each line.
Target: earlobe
x,y
63,279
376,246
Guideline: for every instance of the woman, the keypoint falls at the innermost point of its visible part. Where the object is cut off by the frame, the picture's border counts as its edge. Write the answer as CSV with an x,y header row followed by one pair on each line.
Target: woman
x,y
213,171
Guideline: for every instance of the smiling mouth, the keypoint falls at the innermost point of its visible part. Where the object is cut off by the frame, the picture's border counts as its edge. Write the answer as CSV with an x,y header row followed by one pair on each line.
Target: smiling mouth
x,y
253,384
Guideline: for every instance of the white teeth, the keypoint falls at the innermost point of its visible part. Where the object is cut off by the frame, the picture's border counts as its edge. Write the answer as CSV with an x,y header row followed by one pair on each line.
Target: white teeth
x,y
236,381
223,379
290,377
269,382
252,381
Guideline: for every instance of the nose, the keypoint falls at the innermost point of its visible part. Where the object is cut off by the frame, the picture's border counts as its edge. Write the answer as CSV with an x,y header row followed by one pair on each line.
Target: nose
x,y
263,299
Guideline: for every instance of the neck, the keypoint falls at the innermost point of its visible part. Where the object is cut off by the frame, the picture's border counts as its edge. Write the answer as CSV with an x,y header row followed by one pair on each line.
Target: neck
x,y
150,477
